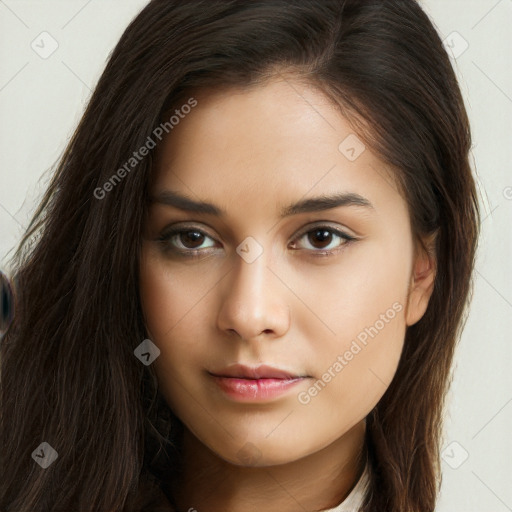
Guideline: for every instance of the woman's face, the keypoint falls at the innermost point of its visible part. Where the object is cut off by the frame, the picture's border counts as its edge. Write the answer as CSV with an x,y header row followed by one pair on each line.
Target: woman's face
x,y
273,284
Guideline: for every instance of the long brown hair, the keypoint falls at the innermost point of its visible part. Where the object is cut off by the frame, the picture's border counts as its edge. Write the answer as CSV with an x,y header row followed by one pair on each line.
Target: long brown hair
x,y
68,372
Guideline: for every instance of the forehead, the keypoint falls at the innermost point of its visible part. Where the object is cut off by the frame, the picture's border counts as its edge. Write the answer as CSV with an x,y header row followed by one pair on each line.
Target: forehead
x,y
269,144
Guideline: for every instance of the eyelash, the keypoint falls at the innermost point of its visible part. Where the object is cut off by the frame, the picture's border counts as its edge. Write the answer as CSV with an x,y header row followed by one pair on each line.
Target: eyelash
x,y
166,238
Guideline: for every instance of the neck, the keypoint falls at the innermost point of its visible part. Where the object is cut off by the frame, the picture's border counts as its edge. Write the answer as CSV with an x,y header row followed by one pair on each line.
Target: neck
x,y
318,481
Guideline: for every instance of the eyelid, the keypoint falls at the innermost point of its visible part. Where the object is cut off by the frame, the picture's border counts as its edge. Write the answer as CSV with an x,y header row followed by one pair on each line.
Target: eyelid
x,y
177,228
324,224
318,223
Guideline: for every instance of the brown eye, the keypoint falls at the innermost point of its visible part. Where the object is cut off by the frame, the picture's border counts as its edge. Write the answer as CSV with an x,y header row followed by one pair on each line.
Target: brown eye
x,y
320,238
185,240
324,240
191,239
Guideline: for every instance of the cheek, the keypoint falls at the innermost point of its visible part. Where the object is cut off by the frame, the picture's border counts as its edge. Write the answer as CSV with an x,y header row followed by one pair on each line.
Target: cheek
x,y
175,307
165,303
357,365
340,301
170,295
361,307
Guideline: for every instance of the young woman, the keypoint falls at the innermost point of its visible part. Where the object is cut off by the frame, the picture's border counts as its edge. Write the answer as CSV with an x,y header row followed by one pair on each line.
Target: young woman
x,y
244,285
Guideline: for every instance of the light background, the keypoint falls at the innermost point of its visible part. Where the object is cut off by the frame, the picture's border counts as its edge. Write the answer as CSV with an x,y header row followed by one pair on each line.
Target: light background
x,y
42,99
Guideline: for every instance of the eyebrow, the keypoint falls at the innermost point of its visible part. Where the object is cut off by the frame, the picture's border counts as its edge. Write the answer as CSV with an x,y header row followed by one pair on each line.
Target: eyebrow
x,y
313,204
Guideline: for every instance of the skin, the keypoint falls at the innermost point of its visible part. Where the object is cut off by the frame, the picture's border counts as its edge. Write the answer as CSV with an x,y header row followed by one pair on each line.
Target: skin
x,y
252,152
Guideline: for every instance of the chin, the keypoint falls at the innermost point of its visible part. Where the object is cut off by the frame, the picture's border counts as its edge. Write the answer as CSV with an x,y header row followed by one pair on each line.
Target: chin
x,y
259,452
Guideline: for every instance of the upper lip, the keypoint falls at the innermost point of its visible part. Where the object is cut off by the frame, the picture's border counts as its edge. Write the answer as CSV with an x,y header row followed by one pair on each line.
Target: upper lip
x,y
259,372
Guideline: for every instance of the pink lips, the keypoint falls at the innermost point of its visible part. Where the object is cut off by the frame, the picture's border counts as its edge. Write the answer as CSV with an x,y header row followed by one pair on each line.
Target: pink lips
x,y
243,383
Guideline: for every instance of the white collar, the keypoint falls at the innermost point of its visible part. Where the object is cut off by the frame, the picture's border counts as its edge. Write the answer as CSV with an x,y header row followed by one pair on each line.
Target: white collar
x,y
354,500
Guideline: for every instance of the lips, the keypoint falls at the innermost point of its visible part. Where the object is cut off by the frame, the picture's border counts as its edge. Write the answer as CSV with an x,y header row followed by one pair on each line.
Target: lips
x,y
240,371
260,384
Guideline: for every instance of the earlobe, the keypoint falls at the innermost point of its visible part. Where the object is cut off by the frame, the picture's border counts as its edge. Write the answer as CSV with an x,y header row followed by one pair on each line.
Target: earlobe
x,y
422,281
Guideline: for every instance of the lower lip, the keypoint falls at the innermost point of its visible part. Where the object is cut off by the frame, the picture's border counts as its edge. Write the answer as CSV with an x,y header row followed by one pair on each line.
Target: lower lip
x,y
253,390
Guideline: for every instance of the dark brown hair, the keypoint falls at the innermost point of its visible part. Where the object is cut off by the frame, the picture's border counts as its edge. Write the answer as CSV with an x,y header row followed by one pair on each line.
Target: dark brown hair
x,y
69,376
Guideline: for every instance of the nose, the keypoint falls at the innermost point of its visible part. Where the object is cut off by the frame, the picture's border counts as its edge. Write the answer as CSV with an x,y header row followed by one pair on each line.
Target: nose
x,y
253,301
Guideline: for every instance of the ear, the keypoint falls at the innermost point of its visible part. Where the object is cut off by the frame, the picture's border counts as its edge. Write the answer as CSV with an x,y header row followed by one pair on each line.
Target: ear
x,y
422,279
